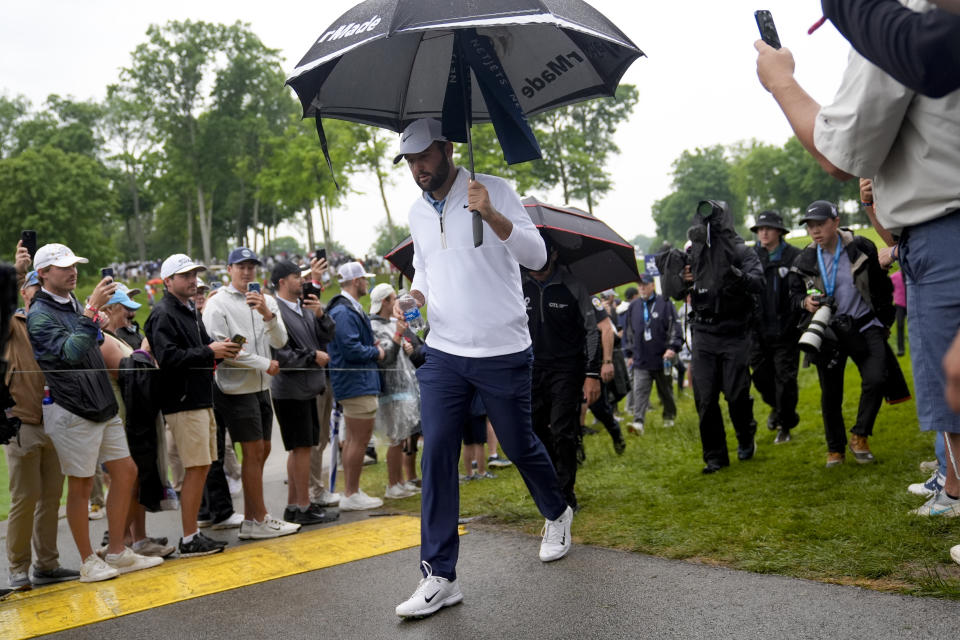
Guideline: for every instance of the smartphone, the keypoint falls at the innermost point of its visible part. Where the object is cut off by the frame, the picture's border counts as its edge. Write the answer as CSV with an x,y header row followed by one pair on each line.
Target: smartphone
x,y
321,254
768,30
310,289
28,238
238,339
106,272
253,286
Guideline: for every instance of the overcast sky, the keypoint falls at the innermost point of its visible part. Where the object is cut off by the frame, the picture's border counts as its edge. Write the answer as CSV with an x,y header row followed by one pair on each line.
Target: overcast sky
x,y
698,85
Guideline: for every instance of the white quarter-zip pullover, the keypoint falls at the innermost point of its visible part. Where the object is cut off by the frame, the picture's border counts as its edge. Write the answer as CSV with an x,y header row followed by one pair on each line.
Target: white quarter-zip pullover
x,y
474,294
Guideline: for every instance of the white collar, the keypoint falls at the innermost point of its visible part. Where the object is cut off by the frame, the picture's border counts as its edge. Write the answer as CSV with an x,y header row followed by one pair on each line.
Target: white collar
x,y
353,301
295,306
59,299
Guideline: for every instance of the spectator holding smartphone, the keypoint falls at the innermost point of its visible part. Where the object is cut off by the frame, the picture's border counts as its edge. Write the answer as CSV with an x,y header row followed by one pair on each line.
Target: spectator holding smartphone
x,y
241,398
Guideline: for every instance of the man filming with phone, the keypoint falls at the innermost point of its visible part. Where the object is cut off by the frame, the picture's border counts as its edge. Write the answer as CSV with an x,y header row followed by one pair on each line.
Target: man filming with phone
x,y
241,398
187,357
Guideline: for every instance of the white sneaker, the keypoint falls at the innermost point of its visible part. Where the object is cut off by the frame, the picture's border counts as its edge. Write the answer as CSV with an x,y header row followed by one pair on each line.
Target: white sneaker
x,y
359,502
668,423
232,522
148,547
269,528
328,499
556,537
397,491
94,569
409,486
635,428
955,553
939,504
95,512
928,488
127,561
433,593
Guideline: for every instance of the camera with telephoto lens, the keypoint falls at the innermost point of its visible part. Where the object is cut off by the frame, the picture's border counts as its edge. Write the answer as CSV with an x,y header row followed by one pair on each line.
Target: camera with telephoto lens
x,y
813,336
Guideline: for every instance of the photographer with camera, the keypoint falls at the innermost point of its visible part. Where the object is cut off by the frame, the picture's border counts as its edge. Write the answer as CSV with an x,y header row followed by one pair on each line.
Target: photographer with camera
x,y
723,276
848,299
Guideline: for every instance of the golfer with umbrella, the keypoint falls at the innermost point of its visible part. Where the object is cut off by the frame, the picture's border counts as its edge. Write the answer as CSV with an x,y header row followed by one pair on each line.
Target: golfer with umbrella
x,y
478,341
398,64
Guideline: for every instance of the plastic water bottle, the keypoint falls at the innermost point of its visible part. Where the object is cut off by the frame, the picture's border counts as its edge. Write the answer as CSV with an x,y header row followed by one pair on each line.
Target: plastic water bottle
x,y
411,311
47,398
667,367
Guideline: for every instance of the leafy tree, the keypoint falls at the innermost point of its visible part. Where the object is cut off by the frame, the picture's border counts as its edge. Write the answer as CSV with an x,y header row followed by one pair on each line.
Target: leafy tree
x,y
63,123
374,153
64,196
701,175
12,112
284,243
388,237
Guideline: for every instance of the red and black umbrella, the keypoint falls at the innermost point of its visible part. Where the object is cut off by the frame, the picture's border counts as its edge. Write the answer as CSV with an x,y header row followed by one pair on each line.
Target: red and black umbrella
x,y
596,255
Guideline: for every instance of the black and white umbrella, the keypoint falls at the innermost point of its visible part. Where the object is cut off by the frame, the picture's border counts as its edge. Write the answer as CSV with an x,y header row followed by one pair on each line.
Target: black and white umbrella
x,y
386,62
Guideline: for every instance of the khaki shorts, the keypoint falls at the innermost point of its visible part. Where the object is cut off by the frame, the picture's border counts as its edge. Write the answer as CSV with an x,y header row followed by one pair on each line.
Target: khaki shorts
x,y
361,407
195,433
82,444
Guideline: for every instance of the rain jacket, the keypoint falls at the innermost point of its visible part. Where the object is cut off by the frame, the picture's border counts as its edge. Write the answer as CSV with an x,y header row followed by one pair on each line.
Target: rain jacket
x,y
353,352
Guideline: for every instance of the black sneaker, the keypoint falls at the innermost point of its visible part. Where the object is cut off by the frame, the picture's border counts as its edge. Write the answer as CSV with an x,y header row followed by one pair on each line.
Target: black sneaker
x,y
745,453
619,446
773,421
290,515
199,546
316,516
219,543
51,576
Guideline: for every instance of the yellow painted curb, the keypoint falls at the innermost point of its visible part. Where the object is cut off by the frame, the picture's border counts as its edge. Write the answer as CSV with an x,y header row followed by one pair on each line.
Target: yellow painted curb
x,y
72,604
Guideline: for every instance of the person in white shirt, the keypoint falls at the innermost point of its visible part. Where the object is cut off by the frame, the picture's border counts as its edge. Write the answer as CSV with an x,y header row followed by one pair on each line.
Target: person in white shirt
x,y
241,397
478,342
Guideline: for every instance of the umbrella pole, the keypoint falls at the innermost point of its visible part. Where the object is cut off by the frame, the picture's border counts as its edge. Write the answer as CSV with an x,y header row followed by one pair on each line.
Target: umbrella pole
x,y
477,220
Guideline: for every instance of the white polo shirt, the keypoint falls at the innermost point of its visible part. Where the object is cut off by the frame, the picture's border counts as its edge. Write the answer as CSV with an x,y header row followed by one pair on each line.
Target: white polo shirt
x,y
474,294
908,143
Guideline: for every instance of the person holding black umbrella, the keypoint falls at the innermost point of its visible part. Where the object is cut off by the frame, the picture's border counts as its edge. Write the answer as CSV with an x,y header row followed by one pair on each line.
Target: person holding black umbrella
x,y
478,343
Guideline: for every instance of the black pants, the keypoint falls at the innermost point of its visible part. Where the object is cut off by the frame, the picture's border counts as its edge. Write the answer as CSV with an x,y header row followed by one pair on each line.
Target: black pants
x,y
604,412
901,319
720,364
775,365
217,504
681,375
866,349
556,421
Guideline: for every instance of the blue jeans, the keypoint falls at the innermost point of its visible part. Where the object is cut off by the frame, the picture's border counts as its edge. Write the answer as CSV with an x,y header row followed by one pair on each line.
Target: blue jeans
x,y
447,385
930,262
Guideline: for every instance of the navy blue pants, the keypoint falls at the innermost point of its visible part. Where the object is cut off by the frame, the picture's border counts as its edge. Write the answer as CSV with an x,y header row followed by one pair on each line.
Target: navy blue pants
x,y
447,385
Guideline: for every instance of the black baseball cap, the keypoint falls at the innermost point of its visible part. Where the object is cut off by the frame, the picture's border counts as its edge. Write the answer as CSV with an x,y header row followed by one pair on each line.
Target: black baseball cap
x,y
770,219
820,210
283,269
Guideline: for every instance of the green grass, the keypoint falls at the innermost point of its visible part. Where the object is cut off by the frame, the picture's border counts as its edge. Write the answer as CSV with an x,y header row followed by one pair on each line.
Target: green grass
x,y
781,513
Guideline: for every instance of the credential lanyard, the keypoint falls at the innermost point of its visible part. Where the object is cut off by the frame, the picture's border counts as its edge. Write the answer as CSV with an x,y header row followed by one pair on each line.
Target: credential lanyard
x,y
831,284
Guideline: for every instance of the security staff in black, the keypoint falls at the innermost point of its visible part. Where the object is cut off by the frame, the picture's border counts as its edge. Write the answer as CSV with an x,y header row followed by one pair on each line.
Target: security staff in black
x,y
775,354
845,267
722,301
566,363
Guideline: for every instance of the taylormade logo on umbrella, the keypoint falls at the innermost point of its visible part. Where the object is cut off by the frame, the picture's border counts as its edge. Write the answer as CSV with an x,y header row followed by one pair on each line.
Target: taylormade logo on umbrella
x,y
350,29
554,68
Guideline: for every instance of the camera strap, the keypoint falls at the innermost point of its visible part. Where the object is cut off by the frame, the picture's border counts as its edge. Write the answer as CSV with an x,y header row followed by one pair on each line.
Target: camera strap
x,y
829,285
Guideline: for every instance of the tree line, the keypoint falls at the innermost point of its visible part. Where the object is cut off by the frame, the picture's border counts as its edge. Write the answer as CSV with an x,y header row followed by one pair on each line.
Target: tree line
x,y
199,145
752,177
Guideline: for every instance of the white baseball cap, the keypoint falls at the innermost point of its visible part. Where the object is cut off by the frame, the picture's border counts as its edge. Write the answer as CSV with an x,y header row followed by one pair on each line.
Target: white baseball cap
x,y
353,270
379,293
56,255
179,263
419,135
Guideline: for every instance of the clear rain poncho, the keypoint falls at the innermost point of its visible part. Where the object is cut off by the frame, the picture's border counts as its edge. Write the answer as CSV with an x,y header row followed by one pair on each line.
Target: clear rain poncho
x,y
398,413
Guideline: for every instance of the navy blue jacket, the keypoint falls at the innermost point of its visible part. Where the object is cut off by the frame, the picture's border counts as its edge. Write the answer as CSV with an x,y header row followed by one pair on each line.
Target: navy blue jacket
x,y
353,348
665,332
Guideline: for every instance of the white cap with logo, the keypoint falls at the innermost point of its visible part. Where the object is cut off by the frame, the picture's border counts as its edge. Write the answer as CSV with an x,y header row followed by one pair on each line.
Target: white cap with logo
x,y
56,255
419,135
179,263
353,270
